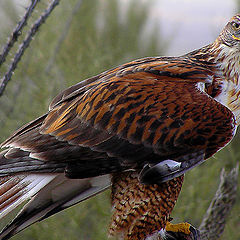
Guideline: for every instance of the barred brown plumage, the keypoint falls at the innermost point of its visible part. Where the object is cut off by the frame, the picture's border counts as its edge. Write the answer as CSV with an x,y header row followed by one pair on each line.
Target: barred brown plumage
x,y
142,205
145,122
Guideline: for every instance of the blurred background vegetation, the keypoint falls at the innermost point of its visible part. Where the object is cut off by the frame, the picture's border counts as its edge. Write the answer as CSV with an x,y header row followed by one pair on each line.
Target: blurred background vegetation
x,y
78,41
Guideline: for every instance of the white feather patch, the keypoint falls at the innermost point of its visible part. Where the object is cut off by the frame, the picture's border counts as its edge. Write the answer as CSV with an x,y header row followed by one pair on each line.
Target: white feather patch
x,y
49,194
14,190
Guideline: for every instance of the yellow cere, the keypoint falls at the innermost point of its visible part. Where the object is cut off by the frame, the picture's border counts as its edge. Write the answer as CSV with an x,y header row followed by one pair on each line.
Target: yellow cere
x,y
236,38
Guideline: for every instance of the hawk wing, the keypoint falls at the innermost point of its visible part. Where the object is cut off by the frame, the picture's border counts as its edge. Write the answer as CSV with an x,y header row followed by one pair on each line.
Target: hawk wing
x,y
152,108
143,112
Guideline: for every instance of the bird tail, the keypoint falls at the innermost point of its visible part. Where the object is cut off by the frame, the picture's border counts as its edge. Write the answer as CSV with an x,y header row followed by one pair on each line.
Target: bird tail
x,y
14,190
49,194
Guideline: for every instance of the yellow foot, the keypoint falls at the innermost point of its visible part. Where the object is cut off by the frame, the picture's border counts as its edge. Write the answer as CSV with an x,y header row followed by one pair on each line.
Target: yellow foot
x,y
180,231
180,227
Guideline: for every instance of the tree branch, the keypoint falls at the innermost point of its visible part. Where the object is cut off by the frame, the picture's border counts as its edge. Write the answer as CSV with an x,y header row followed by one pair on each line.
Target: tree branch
x,y
25,44
214,221
17,31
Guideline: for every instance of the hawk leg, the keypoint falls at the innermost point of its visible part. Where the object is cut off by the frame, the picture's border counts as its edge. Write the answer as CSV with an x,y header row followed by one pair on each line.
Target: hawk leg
x,y
140,210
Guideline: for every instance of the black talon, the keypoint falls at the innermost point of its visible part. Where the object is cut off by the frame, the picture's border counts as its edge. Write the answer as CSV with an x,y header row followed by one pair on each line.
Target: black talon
x,y
195,233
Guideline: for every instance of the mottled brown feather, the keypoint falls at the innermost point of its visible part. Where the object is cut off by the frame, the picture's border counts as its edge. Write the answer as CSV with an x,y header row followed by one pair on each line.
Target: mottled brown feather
x,y
141,112
141,108
129,117
139,210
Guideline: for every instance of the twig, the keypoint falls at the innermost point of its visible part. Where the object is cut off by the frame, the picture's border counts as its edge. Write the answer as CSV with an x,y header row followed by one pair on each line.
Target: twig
x,y
17,31
25,44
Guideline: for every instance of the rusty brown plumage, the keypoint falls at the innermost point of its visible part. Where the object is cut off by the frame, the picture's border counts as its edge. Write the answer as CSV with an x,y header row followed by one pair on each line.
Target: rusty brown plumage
x,y
147,121
141,209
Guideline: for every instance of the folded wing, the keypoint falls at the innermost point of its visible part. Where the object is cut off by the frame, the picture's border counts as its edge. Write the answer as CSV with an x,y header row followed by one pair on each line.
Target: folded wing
x,y
144,112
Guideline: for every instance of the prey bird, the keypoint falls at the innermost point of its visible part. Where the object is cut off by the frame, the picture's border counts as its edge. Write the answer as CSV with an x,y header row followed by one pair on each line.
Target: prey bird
x,y
137,128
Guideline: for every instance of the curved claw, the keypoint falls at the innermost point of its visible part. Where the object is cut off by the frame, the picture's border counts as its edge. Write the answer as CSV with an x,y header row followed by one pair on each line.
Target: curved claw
x,y
195,233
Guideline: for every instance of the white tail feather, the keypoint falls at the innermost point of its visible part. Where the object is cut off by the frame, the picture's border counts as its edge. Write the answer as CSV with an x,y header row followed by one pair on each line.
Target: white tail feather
x,y
14,190
49,194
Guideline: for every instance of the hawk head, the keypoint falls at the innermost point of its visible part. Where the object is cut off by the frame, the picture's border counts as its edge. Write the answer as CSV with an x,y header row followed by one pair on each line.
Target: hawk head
x,y
225,53
230,36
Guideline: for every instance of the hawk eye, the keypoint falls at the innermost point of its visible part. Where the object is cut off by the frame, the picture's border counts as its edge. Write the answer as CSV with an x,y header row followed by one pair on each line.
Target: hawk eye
x,y
236,26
